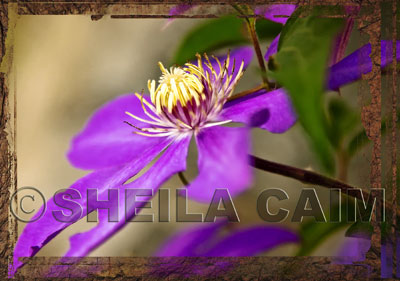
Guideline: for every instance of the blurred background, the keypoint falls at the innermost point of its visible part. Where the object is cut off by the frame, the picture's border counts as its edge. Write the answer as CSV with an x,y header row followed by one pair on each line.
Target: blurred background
x,y
68,66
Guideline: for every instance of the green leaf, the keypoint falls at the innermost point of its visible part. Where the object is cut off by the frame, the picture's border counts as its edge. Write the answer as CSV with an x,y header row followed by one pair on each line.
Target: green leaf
x,y
357,142
267,30
343,121
302,11
314,233
300,68
219,33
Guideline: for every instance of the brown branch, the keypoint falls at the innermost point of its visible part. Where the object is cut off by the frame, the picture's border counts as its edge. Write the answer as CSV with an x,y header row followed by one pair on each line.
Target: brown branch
x,y
183,179
300,174
251,24
247,92
245,12
309,177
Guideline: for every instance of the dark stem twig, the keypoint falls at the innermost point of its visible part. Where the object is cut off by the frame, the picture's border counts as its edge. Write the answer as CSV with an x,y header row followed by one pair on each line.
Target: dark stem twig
x,y
343,161
300,174
183,179
251,24
310,177
246,92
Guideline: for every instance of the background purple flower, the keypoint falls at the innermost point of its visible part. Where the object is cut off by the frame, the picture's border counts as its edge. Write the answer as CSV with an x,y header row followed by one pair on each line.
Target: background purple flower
x,y
341,41
209,240
177,10
352,67
353,249
278,13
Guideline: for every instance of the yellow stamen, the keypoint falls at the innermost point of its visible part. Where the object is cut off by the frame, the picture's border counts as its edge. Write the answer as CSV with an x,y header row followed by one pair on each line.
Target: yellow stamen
x,y
176,85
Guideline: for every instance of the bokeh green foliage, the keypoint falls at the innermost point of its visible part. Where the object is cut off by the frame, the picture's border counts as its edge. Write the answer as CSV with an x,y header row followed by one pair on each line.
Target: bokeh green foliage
x,y
300,66
215,34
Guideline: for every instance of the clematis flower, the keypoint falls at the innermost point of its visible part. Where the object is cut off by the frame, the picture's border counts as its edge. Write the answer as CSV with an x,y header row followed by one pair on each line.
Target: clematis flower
x,y
126,134
344,71
206,241
209,240
177,10
354,250
203,241
341,41
279,13
352,67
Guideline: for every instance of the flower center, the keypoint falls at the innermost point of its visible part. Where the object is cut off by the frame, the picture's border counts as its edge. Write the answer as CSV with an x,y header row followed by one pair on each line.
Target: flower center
x,y
187,99
175,85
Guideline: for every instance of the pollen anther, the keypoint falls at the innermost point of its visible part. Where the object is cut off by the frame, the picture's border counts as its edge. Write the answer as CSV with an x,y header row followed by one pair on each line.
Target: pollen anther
x,y
175,85
187,98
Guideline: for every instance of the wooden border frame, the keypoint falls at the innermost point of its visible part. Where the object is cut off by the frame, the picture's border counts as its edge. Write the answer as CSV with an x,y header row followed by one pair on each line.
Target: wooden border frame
x,y
306,268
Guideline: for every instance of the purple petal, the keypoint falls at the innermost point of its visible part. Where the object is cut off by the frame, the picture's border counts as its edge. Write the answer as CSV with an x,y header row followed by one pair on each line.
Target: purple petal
x,y
172,161
106,140
386,257
37,234
359,62
273,48
272,13
222,161
211,241
206,240
252,241
180,9
277,13
341,41
272,111
176,11
353,249
191,241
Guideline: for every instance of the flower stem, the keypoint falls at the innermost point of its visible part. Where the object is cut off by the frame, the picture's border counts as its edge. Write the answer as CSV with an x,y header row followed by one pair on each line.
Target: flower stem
x,y
246,92
299,174
310,177
183,179
244,10
251,25
343,161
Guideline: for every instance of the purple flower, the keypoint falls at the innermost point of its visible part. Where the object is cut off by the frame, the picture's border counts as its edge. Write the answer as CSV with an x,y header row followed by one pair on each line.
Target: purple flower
x,y
188,101
209,240
346,71
353,249
180,9
177,10
279,13
352,67
342,39
206,241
